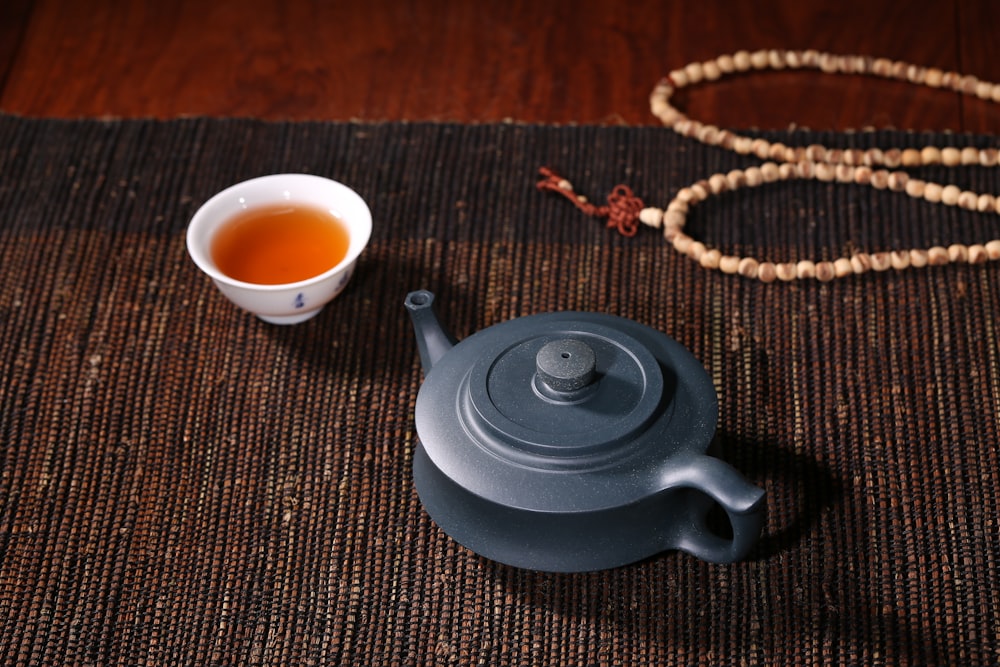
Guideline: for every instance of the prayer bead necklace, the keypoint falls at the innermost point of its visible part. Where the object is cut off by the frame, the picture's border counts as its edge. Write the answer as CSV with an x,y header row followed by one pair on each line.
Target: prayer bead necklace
x,y
874,167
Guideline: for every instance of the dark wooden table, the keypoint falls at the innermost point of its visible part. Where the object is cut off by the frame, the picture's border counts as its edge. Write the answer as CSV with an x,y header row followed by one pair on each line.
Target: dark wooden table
x,y
559,61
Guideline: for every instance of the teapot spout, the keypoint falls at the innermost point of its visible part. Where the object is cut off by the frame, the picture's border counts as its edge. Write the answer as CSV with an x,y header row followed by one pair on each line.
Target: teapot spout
x,y
433,340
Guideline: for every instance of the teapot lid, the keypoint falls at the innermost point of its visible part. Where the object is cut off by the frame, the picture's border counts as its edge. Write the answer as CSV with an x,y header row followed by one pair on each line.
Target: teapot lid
x,y
510,410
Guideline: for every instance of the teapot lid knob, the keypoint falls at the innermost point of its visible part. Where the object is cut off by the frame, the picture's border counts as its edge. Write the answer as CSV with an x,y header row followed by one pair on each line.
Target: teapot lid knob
x,y
566,365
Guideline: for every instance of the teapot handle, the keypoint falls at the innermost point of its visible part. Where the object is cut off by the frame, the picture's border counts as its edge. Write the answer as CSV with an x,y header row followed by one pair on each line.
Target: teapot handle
x,y
742,502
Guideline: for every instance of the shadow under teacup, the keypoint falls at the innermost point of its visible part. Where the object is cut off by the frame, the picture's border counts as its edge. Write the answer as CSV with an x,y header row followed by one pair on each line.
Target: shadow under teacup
x,y
280,246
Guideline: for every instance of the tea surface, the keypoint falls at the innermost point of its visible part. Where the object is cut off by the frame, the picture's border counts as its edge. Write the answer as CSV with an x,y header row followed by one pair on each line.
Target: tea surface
x,y
281,243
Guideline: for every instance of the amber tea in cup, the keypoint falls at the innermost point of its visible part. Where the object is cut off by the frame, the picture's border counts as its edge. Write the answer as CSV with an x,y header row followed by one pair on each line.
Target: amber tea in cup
x,y
281,246
279,243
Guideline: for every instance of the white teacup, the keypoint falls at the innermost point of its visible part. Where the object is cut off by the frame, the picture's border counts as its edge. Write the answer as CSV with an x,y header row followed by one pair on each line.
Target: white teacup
x,y
287,303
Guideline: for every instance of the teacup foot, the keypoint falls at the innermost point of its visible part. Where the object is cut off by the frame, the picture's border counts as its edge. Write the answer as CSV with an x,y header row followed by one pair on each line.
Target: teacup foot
x,y
290,319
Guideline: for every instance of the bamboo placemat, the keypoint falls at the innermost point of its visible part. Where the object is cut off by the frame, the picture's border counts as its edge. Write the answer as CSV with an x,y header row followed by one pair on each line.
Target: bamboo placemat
x,y
181,483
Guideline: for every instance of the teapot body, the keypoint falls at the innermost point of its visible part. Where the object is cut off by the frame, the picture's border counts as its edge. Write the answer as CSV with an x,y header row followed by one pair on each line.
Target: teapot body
x,y
573,441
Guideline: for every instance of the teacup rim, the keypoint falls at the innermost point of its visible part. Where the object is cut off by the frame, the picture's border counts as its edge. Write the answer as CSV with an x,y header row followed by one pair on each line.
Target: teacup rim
x,y
203,260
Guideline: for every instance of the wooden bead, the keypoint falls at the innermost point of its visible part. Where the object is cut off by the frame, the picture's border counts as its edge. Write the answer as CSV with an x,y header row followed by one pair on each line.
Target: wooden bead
x,y
937,256
710,70
949,195
710,259
748,267
932,192
769,172
854,157
898,181
805,269
660,108
860,263
968,200
704,133
882,67
881,261
668,114
776,151
651,217
736,179
717,184
930,155
743,146
685,195
916,74
695,250
741,60
761,148
915,187
968,85
842,267
899,69
729,264
674,219
879,179
951,157
817,153
977,254
825,171
911,157
700,191
918,258
682,242
759,59
825,272
708,134
786,271
828,63
874,157
970,155
993,249
958,253
900,259
767,272
725,64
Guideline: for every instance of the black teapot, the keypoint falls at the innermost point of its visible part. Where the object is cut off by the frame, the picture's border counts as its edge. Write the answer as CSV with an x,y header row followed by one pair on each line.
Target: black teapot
x,y
573,441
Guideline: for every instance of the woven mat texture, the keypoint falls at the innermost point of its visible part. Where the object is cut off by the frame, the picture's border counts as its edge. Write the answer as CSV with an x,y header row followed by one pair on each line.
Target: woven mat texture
x,y
181,483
